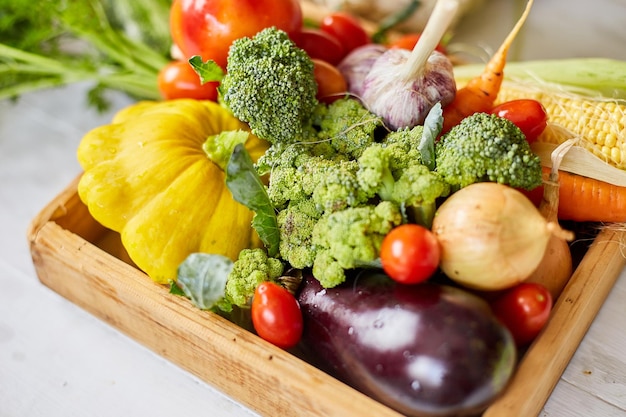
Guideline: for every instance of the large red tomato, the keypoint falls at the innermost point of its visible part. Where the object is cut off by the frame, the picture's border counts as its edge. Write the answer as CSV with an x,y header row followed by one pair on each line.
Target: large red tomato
x,y
208,27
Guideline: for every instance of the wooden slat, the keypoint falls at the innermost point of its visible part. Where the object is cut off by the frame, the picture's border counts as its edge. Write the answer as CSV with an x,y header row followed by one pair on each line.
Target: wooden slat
x,y
573,313
261,376
264,378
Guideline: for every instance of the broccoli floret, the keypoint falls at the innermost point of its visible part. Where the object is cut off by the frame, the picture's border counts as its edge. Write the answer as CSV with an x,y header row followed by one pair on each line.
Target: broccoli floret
x,y
296,223
486,147
335,184
395,173
330,183
269,84
347,125
350,238
251,268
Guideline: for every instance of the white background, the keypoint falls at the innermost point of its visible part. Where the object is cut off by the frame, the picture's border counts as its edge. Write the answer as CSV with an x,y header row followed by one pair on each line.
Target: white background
x,y
57,360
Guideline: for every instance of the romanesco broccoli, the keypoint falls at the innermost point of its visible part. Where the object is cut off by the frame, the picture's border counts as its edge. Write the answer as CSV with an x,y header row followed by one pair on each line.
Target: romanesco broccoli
x,y
350,238
269,84
394,172
296,223
347,125
486,147
251,268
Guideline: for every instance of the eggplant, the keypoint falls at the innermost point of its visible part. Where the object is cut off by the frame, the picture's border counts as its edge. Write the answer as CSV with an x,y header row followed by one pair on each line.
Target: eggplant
x,y
424,350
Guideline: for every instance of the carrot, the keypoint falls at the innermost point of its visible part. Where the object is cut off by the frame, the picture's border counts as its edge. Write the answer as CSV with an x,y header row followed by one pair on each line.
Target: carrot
x,y
481,92
585,199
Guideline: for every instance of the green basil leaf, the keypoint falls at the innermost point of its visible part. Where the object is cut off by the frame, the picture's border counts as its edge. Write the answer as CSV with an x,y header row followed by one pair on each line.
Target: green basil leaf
x,y
246,186
432,127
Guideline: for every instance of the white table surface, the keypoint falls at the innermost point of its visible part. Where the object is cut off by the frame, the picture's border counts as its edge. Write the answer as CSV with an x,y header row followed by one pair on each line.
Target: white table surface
x,y
58,360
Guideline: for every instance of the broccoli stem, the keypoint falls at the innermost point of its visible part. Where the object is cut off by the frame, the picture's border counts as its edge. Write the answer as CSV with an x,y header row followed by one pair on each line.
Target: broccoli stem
x,y
387,184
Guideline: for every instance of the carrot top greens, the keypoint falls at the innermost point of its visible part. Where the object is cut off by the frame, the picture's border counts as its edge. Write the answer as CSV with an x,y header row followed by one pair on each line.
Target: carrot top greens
x,y
115,45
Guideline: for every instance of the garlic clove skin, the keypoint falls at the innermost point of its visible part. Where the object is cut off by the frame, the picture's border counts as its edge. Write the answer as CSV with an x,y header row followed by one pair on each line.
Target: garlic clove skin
x,y
405,103
357,64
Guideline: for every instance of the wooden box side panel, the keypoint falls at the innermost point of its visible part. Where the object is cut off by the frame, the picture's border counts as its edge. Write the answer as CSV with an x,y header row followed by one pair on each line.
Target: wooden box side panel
x,y
265,378
546,359
256,373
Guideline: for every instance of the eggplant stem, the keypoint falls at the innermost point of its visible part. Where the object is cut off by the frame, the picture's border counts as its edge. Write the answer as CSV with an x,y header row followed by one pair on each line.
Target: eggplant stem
x,y
437,25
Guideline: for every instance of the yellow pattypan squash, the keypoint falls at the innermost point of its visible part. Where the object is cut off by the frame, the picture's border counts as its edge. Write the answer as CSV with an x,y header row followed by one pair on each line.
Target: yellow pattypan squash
x,y
147,177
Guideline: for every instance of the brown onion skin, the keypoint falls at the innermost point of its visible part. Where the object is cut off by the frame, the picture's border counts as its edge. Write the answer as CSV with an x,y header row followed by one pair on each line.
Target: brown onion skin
x,y
424,350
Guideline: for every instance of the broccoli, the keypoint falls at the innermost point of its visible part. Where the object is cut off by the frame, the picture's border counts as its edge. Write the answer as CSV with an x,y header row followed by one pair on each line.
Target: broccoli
x,y
486,147
296,223
350,238
251,268
347,125
393,171
269,84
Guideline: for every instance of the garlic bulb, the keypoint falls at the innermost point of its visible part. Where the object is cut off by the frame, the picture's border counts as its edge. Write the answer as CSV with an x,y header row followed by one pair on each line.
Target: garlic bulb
x,y
406,102
357,64
402,86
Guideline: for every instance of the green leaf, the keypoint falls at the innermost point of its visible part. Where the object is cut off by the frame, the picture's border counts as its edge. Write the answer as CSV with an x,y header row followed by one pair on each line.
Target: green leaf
x,y
207,71
176,290
432,127
246,186
202,278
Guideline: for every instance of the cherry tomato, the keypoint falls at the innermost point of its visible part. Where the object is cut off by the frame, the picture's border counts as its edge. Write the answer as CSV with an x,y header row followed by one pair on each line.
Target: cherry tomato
x,y
524,310
208,27
331,84
527,114
345,28
319,45
178,80
276,315
409,40
410,254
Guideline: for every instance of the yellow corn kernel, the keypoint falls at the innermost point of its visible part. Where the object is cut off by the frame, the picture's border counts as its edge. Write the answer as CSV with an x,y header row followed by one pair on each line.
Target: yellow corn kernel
x,y
599,123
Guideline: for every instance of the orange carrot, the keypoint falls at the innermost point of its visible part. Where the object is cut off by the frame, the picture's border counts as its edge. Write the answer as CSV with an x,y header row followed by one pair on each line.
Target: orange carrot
x,y
586,199
481,92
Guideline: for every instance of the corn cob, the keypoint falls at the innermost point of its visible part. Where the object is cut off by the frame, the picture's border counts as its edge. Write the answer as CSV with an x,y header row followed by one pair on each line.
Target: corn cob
x,y
599,123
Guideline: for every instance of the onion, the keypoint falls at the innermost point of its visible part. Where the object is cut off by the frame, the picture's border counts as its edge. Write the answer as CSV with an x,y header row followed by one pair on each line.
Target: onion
x,y
492,237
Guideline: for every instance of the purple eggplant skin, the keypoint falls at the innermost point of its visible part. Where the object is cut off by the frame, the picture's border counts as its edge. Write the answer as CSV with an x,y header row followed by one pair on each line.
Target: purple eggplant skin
x,y
425,350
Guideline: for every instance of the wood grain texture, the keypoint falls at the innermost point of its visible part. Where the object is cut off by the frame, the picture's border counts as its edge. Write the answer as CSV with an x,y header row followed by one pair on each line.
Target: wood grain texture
x,y
267,379
546,359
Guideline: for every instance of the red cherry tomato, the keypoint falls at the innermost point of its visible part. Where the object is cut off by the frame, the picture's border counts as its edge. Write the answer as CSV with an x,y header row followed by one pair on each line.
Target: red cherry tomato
x,y
276,315
345,28
527,114
331,84
409,40
178,80
524,310
410,254
208,27
319,45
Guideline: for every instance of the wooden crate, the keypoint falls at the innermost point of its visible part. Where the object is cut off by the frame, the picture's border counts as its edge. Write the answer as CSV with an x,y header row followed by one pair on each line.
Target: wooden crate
x,y
85,263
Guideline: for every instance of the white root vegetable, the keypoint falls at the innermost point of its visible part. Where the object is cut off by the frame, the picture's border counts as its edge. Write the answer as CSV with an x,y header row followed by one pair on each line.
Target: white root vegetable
x,y
402,86
492,237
